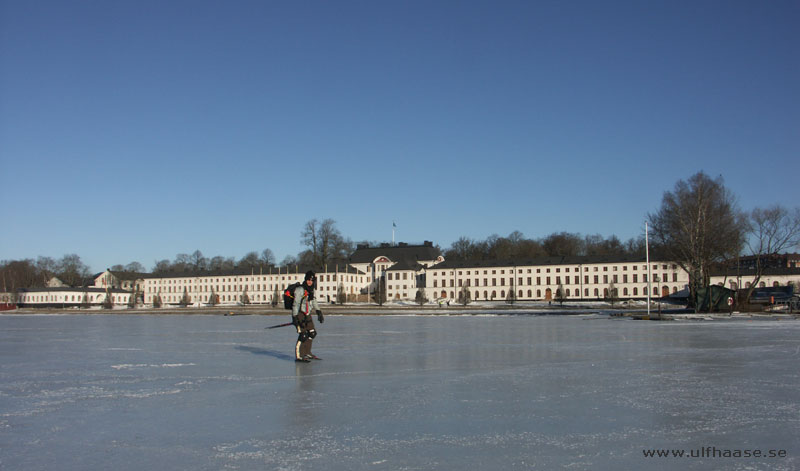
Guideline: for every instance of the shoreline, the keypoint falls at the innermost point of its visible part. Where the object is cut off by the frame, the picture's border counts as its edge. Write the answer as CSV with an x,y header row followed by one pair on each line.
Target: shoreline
x,y
616,312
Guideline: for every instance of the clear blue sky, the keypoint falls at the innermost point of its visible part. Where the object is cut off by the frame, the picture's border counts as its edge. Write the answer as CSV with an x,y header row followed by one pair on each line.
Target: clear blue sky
x,y
137,130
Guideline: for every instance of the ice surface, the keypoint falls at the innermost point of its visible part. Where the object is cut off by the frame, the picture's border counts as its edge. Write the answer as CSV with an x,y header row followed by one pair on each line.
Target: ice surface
x,y
195,392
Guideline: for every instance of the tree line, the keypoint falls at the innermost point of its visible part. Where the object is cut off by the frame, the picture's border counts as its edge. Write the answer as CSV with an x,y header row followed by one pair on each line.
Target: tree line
x,y
560,244
29,273
699,226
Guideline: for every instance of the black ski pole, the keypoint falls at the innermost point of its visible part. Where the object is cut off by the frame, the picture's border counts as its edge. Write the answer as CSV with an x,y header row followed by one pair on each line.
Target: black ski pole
x,y
279,325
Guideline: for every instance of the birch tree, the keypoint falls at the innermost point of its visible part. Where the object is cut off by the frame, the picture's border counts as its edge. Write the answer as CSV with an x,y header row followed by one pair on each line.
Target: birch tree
x,y
699,224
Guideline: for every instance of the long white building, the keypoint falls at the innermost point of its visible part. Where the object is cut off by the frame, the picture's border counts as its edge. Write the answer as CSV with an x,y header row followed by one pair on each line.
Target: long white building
x,y
402,271
248,287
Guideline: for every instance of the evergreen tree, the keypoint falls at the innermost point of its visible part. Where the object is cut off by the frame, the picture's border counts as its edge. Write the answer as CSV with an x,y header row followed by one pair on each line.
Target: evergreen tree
x,y
341,296
379,295
275,296
185,298
561,295
420,297
611,294
464,295
511,296
108,303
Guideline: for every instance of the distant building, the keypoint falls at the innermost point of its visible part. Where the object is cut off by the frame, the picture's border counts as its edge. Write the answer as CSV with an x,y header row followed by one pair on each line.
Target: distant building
x,y
249,286
743,278
775,260
401,268
404,269
575,278
66,296
118,279
55,283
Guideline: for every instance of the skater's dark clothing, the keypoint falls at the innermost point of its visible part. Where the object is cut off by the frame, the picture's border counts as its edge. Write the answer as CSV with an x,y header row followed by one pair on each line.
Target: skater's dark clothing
x,y
305,336
305,304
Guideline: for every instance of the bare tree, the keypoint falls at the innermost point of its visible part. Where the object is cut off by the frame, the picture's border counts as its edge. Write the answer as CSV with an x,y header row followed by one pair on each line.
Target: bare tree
x,y
267,257
197,260
221,263
325,243
289,260
562,244
72,271
47,268
134,267
462,249
773,230
183,263
698,225
595,245
250,260
310,237
328,236
18,274
161,267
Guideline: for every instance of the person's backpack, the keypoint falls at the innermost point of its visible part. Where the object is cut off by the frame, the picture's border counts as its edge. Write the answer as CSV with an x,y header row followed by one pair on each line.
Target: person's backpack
x,y
288,295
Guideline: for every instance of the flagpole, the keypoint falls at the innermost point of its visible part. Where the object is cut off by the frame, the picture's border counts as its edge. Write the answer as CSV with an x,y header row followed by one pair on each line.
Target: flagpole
x,y
647,254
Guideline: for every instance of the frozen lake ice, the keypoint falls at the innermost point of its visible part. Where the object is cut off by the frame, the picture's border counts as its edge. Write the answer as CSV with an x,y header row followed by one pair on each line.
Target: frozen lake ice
x,y
200,392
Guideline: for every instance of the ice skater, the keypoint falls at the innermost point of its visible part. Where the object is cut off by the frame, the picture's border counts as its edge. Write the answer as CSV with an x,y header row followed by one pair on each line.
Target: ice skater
x,y
304,299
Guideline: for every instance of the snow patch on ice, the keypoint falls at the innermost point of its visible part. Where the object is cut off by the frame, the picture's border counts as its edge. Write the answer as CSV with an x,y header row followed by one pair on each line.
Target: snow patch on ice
x,y
145,365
